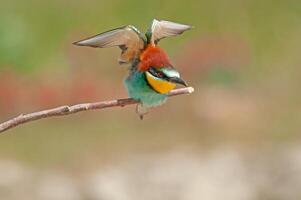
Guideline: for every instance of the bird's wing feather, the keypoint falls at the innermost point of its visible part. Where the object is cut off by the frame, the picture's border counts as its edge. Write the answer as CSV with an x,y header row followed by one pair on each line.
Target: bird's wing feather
x,y
162,29
128,38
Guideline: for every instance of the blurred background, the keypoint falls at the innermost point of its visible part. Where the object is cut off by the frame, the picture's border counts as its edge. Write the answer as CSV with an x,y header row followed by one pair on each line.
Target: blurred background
x,y
236,137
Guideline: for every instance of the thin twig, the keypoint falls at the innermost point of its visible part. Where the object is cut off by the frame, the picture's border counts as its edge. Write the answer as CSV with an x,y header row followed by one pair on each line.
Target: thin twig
x,y
67,110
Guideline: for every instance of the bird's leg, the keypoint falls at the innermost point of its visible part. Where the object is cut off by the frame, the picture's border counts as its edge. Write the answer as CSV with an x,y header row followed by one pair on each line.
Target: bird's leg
x,y
141,110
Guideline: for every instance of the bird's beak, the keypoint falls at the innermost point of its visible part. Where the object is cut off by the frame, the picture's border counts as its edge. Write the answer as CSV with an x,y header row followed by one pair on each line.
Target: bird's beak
x,y
178,81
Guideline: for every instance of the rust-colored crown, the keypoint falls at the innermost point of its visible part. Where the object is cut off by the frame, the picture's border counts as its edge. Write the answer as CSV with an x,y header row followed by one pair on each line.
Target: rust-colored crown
x,y
153,56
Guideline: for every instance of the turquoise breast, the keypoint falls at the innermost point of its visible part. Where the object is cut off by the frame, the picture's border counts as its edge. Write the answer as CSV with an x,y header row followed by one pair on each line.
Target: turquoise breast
x,y
139,89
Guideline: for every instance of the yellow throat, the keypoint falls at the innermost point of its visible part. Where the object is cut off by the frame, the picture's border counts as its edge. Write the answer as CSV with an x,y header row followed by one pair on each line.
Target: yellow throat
x,y
159,85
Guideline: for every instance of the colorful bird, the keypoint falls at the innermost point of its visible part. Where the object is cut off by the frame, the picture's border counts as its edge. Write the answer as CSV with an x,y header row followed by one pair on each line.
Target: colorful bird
x,y
151,75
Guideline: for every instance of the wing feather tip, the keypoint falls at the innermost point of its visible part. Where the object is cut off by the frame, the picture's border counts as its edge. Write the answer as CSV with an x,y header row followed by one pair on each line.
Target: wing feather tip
x,y
78,43
84,43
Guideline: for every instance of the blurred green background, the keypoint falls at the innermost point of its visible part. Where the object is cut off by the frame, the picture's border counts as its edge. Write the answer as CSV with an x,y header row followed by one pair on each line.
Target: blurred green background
x,y
242,58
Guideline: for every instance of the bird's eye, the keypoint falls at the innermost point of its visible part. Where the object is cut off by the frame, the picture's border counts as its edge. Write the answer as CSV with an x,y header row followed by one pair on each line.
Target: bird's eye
x,y
160,75
156,73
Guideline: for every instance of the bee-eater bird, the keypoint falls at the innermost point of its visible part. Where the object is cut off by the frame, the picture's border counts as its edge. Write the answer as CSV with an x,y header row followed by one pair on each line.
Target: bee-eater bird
x,y
151,75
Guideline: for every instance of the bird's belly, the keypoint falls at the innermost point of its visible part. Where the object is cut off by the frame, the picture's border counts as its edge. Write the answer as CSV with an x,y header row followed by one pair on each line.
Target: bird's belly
x,y
139,89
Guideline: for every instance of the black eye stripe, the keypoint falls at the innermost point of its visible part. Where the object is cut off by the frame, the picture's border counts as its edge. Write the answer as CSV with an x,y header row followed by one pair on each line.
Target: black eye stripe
x,y
157,73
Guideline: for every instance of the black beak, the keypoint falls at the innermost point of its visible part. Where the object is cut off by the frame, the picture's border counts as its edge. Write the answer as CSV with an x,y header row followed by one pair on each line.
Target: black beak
x,y
178,81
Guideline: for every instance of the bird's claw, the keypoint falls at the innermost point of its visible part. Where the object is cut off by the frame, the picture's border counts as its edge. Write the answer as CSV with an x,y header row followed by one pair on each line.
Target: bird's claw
x,y
141,110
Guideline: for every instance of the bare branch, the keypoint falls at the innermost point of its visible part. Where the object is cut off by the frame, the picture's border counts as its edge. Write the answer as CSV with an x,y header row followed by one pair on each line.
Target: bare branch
x,y
67,110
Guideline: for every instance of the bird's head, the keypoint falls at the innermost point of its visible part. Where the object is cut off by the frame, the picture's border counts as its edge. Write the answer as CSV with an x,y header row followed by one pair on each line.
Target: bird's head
x,y
159,72
163,79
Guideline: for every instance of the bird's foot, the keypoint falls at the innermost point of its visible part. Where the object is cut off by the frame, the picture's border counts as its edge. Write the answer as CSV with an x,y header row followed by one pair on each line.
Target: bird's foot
x,y
142,110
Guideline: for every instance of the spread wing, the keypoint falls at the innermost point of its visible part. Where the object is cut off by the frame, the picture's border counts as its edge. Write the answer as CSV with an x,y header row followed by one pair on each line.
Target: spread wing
x,y
162,29
128,38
